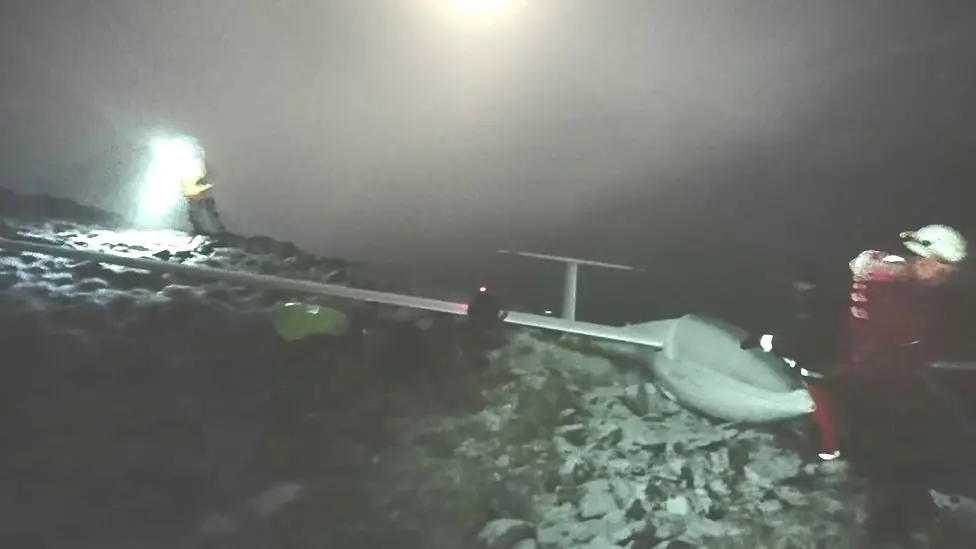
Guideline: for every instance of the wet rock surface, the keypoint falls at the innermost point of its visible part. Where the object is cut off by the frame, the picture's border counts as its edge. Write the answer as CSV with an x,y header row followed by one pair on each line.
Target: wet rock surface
x,y
143,410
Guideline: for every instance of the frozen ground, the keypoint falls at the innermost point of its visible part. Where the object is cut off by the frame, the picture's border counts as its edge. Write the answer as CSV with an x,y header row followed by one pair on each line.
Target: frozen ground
x,y
141,412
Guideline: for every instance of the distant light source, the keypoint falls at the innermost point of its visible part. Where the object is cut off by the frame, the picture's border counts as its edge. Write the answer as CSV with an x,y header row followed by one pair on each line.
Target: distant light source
x,y
173,160
177,157
481,5
478,10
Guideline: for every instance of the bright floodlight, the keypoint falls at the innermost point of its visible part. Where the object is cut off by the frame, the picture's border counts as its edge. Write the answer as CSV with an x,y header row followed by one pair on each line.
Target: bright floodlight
x,y
173,160
177,158
482,5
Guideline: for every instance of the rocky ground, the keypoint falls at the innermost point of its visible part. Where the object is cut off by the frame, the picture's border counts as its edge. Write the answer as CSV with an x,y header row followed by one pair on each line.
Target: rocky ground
x,y
139,411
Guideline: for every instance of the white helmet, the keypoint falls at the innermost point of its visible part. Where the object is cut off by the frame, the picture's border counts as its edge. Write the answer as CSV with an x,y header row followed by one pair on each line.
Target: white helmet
x,y
937,242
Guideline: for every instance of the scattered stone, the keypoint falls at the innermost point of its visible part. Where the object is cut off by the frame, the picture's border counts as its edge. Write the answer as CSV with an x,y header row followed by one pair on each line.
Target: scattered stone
x,y
636,510
574,434
597,500
663,525
600,542
627,532
610,435
637,398
678,505
567,494
790,496
770,506
575,471
505,533
526,544
770,465
274,498
568,532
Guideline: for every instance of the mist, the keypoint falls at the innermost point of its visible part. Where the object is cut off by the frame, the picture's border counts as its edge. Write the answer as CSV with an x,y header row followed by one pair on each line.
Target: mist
x,y
698,139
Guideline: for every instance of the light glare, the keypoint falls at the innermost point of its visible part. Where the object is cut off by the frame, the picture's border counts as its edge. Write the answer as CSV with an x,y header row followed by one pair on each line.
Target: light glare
x,y
482,5
173,160
177,158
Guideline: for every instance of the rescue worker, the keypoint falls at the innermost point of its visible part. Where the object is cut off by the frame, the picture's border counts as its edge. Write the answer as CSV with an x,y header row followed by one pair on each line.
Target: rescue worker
x,y
901,426
804,321
804,334
200,204
485,313
482,327
889,315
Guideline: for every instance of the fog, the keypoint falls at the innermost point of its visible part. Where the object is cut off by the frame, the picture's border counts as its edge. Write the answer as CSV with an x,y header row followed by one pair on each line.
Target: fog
x,y
675,135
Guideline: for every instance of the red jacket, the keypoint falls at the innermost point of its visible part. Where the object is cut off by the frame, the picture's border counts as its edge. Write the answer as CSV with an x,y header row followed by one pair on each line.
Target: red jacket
x,y
886,315
896,409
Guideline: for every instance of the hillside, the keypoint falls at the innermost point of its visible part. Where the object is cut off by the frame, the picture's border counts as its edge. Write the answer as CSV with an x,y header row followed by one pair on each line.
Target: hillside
x,y
140,411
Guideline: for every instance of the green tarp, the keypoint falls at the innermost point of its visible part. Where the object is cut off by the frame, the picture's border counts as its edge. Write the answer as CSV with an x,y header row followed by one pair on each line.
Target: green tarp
x,y
294,321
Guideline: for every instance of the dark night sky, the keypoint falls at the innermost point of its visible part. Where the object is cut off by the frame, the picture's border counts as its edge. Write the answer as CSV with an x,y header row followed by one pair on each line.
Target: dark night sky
x,y
706,140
